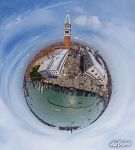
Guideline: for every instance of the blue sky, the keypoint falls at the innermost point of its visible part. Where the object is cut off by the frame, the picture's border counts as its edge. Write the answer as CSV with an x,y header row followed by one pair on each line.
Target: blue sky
x,y
107,9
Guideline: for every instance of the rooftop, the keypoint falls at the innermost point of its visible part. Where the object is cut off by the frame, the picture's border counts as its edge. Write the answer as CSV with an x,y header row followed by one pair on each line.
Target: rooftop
x,y
53,62
97,65
58,58
45,64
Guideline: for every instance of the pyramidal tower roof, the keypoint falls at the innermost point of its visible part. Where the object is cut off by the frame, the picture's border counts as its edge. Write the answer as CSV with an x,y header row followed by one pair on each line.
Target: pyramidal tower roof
x,y
67,20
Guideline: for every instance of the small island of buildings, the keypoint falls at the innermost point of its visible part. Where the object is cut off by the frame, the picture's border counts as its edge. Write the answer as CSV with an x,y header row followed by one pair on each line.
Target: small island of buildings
x,y
72,68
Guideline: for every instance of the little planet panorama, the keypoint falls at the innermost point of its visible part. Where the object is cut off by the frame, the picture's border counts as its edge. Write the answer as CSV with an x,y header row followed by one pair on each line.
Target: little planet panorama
x,y
67,85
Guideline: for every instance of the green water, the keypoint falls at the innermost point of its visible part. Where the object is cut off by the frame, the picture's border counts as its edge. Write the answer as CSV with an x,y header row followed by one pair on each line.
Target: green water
x,y
61,109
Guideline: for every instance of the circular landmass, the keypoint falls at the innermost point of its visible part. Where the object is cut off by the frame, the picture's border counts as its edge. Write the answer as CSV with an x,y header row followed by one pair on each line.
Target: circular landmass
x,y
67,89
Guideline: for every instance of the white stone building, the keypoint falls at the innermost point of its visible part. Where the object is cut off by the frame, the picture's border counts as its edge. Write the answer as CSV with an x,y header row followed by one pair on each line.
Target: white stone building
x,y
52,66
93,69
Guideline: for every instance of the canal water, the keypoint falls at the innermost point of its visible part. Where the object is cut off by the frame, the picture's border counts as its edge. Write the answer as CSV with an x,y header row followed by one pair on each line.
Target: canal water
x,y
64,109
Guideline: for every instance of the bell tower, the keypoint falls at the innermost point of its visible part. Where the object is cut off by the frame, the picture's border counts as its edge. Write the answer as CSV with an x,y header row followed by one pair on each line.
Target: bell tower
x,y
67,32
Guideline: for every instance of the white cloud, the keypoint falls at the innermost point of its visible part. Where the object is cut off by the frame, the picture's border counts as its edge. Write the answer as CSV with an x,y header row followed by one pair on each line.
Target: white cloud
x,y
88,21
81,20
94,22
79,9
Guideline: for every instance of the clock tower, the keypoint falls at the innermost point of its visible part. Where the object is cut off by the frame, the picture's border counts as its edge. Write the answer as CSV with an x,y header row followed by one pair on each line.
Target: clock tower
x,y
67,32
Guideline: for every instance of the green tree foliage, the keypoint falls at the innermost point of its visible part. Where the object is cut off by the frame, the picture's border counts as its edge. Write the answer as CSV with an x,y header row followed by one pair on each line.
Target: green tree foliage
x,y
34,74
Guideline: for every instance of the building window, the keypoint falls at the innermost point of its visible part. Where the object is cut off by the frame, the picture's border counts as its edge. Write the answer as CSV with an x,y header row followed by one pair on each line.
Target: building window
x,y
92,70
96,74
66,31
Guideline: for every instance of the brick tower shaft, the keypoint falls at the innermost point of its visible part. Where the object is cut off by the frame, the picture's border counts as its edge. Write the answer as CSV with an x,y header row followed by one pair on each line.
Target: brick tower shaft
x,y
67,42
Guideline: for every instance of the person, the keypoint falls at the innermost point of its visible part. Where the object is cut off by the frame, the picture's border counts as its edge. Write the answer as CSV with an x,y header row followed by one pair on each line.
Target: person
x,y
71,130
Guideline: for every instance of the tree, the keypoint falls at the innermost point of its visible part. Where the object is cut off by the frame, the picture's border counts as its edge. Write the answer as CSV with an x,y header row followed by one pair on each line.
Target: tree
x,y
34,74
